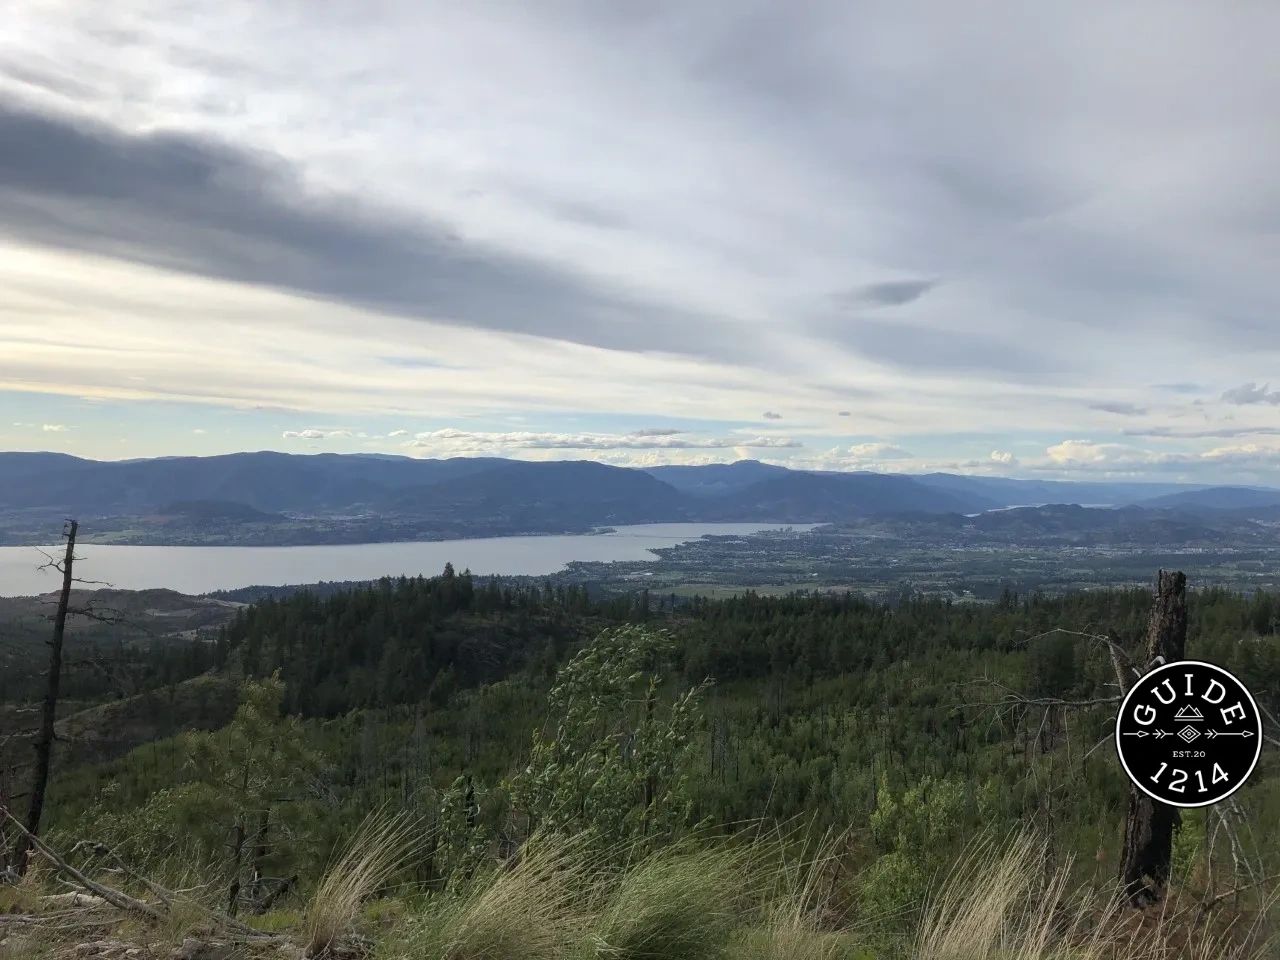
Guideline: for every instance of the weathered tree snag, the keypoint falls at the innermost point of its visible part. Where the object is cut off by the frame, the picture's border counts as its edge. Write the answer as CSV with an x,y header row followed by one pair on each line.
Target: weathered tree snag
x,y
44,744
1167,629
257,887
237,856
1150,824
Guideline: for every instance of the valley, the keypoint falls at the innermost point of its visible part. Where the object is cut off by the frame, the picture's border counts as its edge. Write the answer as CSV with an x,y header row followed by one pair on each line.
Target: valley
x,y
886,658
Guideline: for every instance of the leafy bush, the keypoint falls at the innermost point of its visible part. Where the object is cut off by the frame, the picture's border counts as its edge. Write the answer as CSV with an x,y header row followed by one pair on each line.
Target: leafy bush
x,y
614,768
916,829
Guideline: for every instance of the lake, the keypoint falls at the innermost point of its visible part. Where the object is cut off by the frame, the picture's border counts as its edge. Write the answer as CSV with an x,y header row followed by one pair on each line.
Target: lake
x,y
201,569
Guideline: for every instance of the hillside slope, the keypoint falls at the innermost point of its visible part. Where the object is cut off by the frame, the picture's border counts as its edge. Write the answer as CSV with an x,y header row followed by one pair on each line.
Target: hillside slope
x,y
1216,498
268,498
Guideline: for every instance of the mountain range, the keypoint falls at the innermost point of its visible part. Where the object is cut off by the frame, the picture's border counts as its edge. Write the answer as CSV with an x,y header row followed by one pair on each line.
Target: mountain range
x,y
382,497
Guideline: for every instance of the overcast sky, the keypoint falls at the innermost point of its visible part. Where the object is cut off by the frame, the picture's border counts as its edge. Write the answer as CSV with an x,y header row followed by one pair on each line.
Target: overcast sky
x,y
1038,240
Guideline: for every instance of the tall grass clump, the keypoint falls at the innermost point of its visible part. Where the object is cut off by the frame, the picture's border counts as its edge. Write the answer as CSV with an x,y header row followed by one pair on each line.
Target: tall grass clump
x,y
380,848
1004,903
679,903
799,917
533,908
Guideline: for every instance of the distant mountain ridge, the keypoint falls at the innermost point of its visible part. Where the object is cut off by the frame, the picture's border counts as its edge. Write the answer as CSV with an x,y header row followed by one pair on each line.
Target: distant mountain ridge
x,y
480,496
1217,498
715,479
798,497
1008,492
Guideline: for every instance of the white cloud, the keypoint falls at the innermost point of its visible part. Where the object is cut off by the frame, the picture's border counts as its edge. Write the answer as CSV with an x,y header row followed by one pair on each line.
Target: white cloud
x,y
1245,454
1004,458
468,441
54,427
1260,459
877,451
313,433
774,443
1088,453
398,433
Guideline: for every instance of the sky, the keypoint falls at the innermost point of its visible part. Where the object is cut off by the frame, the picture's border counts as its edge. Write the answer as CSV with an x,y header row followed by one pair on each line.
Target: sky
x,y
1012,239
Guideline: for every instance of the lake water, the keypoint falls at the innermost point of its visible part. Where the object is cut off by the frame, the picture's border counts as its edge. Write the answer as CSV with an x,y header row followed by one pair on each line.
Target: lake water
x,y
201,569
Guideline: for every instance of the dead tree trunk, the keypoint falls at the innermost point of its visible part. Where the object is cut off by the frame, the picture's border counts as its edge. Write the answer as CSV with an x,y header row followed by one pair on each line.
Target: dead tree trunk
x,y
238,837
44,743
1150,824
258,886
5,873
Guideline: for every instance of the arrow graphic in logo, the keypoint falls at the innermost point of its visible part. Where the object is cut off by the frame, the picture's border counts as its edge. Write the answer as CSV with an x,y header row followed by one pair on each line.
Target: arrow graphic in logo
x,y
1208,734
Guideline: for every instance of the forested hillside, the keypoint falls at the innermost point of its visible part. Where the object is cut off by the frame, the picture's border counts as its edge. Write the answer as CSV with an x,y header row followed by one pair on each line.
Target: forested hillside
x,y
900,731
268,498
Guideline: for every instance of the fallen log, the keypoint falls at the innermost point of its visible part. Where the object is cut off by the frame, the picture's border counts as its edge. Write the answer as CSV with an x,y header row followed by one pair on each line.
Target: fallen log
x,y
123,901
116,898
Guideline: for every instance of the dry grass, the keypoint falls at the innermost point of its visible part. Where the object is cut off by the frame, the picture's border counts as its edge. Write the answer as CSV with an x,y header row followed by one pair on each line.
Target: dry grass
x,y
1006,903
710,899
798,916
681,903
381,847
534,910
718,899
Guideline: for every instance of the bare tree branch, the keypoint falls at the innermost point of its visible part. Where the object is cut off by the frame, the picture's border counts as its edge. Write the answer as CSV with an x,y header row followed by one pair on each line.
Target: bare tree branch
x,y
1210,904
1013,697
115,897
108,615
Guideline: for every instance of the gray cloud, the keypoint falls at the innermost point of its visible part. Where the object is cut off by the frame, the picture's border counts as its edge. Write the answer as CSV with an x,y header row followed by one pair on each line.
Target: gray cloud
x,y
771,415
50,80
1207,433
587,214
1250,393
416,363
712,161
1119,408
915,347
891,293
190,203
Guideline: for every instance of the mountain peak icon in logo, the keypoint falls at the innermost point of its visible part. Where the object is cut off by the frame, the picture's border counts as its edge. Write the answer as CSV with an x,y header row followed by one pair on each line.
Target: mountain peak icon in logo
x,y
1189,714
